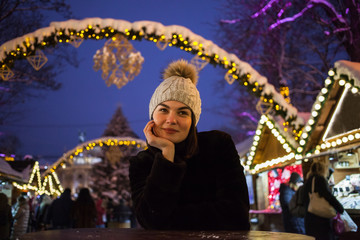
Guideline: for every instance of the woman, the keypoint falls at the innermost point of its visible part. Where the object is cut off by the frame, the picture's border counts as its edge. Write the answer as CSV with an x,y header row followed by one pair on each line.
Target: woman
x,y
186,180
84,210
21,218
318,227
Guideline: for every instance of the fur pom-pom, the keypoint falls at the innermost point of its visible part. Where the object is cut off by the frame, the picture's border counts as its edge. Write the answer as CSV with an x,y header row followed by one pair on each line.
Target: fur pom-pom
x,y
181,68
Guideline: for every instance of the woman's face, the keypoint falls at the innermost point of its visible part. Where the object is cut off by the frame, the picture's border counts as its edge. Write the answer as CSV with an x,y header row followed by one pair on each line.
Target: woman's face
x,y
172,121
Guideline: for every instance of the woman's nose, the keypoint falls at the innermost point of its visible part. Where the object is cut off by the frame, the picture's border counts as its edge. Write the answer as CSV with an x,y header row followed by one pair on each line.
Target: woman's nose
x,y
171,118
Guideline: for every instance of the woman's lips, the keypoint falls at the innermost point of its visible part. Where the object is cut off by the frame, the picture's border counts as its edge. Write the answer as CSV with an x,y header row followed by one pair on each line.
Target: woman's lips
x,y
170,130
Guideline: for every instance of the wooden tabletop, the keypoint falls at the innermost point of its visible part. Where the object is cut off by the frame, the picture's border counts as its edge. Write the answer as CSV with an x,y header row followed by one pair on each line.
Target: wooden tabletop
x,y
140,234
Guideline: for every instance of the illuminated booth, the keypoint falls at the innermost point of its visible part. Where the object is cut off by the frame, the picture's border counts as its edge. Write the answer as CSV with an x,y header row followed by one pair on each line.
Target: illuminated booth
x,y
270,161
332,134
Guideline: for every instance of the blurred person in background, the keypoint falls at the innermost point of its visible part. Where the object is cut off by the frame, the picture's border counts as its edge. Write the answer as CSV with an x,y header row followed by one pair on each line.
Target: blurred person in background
x,y
291,223
84,210
21,218
101,213
5,217
59,212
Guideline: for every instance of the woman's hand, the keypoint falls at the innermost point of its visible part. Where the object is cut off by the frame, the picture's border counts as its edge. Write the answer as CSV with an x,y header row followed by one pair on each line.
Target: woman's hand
x,y
167,147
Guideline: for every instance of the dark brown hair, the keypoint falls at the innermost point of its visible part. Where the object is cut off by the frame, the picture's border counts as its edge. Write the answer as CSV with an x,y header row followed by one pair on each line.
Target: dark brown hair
x,y
191,141
317,168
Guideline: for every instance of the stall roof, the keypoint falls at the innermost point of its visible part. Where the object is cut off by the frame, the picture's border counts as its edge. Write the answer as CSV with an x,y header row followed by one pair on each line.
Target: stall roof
x,y
8,172
344,75
272,145
335,120
244,146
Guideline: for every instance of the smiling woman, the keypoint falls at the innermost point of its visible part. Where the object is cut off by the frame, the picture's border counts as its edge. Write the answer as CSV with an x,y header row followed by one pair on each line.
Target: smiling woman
x,y
186,180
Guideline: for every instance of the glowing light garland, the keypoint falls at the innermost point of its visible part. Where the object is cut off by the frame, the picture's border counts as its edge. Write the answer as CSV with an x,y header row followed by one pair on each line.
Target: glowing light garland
x,y
90,145
96,28
348,84
280,135
40,188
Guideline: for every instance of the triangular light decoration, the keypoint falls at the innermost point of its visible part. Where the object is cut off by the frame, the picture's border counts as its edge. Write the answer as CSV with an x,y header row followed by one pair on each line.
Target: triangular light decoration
x,y
264,107
162,45
229,78
38,60
198,63
6,73
76,41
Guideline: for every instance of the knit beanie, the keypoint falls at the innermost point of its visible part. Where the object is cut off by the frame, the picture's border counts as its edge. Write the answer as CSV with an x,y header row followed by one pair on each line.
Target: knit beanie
x,y
180,78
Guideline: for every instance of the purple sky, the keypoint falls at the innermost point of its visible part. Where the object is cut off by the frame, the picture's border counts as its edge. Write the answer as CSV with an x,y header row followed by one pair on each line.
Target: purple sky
x,y
50,125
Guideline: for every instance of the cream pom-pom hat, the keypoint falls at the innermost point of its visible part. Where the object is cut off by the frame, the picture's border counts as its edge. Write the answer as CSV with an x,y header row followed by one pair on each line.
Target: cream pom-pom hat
x,y
180,79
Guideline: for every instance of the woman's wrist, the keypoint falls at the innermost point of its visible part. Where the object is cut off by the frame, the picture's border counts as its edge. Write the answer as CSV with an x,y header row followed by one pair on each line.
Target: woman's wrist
x,y
169,152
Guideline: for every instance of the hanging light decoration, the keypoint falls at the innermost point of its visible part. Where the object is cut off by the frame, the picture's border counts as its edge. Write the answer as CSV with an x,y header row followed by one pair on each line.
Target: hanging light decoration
x,y
6,73
76,41
37,60
264,107
119,61
198,62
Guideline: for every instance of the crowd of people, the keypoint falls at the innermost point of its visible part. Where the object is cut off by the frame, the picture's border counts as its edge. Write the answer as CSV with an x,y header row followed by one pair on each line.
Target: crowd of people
x,y
44,213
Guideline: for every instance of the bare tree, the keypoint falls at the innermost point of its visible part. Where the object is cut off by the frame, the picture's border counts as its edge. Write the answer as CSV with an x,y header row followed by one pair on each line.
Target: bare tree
x,y
18,17
289,42
340,18
9,144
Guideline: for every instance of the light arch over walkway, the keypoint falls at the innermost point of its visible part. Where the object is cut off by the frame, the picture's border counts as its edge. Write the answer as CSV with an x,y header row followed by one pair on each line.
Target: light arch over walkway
x,y
75,31
90,145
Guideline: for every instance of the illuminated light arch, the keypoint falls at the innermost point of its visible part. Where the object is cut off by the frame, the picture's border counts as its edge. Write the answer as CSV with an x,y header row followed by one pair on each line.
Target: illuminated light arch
x,y
90,145
75,31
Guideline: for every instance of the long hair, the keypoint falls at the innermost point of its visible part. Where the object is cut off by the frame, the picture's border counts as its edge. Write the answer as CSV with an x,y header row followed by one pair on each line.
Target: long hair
x,y
191,141
85,197
317,168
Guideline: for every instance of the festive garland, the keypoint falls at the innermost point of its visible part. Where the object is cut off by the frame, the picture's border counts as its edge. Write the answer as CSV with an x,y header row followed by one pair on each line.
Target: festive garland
x,y
280,135
177,36
90,145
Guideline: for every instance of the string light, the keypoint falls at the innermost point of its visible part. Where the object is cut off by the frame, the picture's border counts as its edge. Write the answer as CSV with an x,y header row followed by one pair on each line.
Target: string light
x,y
277,133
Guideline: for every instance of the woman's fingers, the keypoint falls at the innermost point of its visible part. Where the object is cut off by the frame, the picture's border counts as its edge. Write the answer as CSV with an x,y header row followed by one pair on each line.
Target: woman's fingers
x,y
150,137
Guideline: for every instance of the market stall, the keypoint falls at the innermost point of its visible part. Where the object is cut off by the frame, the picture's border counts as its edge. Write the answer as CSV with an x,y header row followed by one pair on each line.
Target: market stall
x,y
332,134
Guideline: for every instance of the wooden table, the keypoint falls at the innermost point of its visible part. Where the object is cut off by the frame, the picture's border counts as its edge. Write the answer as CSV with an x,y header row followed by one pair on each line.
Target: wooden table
x,y
140,234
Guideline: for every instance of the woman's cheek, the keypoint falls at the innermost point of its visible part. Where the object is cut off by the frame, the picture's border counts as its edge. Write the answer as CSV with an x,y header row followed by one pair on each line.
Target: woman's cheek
x,y
156,130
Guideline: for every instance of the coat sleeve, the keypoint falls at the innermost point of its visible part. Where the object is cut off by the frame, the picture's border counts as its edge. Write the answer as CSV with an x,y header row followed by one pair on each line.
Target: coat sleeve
x,y
155,191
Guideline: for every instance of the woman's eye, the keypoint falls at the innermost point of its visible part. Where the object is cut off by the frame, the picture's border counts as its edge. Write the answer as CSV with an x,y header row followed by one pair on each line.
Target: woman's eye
x,y
162,110
185,113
